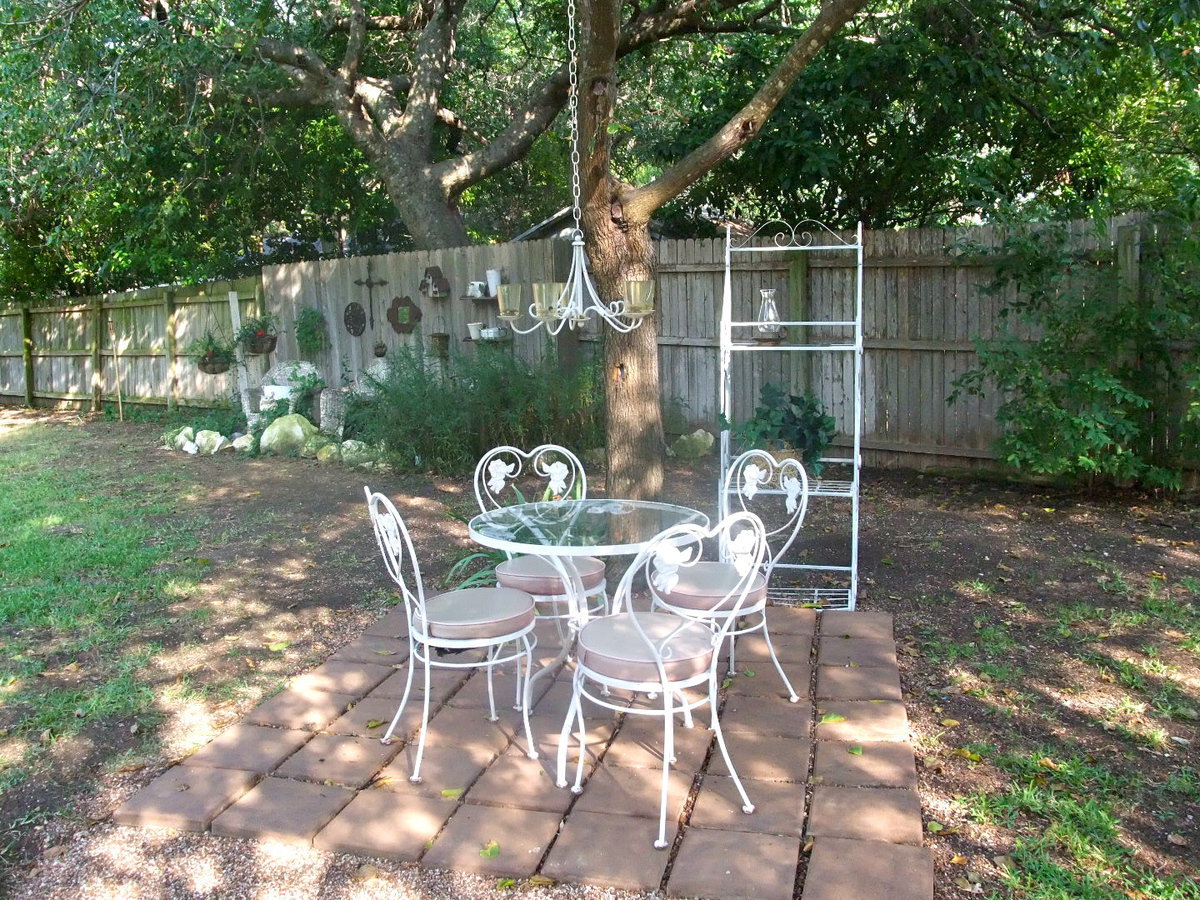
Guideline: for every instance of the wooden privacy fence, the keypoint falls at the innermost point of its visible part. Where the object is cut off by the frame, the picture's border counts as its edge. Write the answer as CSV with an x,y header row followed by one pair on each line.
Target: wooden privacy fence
x,y
923,304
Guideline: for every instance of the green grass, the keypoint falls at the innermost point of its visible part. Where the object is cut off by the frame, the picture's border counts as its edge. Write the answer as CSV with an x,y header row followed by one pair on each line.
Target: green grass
x,y
92,554
1066,812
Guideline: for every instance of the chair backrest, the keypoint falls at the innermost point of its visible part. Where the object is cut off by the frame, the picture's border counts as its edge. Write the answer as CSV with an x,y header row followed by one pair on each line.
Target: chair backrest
x,y
399,556
744,539
556,472
757,481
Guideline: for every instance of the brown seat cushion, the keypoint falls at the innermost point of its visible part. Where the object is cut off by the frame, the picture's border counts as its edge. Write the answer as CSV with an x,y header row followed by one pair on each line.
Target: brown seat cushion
x,y
478,613
704,586
612,646
537,576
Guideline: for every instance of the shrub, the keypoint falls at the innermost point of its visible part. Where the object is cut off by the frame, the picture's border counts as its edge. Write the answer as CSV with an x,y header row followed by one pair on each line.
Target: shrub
x,y
1109,385
429,419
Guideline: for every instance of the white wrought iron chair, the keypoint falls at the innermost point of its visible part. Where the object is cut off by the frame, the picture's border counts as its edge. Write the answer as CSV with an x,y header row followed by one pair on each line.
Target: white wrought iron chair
x,y
498,620
498,475
662,654
754,479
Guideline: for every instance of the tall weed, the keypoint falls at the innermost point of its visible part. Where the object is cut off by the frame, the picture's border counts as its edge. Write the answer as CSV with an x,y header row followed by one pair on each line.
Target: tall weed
x,y
432,419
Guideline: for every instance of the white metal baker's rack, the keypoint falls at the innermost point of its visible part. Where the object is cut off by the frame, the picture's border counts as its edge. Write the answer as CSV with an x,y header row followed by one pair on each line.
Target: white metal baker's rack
x,y
796,583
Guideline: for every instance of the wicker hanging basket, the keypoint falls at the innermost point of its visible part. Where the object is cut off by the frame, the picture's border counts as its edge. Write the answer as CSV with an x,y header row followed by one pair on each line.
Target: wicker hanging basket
x,y
261,343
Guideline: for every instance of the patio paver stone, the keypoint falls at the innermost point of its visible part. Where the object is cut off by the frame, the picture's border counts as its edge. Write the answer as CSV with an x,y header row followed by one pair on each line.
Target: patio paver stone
x,y
892,815
866,683
251,748
872,763
857,624
635,792
338,759
520,782
778,806
283,810
861,720
494,840
766,715
392,625
375,649
849,651
763,757
302,710
185,798
895,871
791,620
381,823
337,677
446,768
734,865
789,648
765,682
609,849
639,744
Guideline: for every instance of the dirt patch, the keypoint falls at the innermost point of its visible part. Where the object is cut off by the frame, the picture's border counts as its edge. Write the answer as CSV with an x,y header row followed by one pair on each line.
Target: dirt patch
x,y
1031,622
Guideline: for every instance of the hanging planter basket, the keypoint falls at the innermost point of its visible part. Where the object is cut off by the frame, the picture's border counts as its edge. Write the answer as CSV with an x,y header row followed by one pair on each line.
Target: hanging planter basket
x,y
212,365
261,343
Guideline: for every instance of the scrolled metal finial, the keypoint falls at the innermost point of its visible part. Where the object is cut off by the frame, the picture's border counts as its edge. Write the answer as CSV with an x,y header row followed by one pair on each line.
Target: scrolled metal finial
x,y
784,234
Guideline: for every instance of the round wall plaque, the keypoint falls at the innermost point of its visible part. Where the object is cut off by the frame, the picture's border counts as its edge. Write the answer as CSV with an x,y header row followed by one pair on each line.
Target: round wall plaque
x,y
355,318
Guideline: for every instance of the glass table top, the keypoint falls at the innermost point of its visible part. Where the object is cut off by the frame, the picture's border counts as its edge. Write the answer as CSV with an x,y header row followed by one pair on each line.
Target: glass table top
x,y
579,527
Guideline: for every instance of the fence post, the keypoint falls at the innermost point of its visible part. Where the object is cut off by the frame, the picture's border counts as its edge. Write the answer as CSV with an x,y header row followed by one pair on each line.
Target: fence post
x,y
1129,257
27,352
97,357
171,349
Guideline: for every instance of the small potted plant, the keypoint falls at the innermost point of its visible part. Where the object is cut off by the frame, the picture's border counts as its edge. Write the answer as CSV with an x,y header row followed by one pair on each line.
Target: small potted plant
x,y
214,355
258,334
792,424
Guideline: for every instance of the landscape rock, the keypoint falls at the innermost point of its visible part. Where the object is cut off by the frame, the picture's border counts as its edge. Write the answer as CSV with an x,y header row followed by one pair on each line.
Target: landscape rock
x,y
693,446
185,436
329,453
210,441
286,436
243,443
290,373
314,445
356,453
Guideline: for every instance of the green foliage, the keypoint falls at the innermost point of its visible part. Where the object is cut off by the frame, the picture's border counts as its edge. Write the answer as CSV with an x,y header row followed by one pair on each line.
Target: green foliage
x,y
1093,382
786,421
212,348
256,327
312,335
429,420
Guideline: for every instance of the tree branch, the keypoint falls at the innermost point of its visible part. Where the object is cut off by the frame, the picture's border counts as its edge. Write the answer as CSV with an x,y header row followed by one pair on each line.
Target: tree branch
x,y
641,203
354,46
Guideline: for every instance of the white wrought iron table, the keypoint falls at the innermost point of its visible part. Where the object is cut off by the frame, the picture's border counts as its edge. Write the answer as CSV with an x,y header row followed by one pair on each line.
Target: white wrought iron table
x,y
561,529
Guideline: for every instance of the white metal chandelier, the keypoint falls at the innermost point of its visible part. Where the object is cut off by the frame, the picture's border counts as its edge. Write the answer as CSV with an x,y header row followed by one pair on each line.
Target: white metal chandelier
x,y
569,303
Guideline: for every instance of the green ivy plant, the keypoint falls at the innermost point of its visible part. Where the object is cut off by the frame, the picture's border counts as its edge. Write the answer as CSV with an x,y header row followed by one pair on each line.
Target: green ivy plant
x,y
786,421
312,335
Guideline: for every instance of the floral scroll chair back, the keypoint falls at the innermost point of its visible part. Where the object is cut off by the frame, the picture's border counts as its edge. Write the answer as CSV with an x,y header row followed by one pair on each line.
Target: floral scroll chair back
x,y
664,653
496,620
508,475
778,493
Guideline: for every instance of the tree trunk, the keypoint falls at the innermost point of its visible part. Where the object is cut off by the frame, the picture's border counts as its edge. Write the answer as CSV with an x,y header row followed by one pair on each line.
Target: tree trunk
x,y
633,413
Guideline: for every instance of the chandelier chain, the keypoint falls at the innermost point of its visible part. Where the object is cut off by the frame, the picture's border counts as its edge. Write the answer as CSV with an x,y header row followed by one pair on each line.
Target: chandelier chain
x,y
573,112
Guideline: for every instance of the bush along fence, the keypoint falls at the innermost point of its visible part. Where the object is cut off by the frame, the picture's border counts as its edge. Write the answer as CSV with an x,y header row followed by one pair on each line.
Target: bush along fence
x,y
933,299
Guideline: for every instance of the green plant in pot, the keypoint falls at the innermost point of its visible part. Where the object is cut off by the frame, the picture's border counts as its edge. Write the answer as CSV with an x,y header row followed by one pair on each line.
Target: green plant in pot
x,y
214,354
784,421
258,334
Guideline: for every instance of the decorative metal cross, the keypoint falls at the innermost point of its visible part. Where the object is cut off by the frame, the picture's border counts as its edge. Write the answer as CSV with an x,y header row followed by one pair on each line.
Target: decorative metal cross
x,y
370,284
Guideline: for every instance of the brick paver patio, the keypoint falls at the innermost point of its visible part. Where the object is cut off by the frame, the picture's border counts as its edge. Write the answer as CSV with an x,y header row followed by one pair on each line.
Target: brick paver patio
x,y
832,777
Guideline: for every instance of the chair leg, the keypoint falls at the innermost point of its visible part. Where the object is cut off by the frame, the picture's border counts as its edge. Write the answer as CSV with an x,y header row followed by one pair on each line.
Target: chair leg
x,y
387,738
415,777
792,695
747,806
668,758
574,707
533,754
732,653
491,667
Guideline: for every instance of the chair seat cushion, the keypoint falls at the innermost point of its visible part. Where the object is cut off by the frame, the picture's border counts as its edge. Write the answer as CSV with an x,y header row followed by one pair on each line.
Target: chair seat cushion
x,y
611,646
704,586
537,576
477,613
